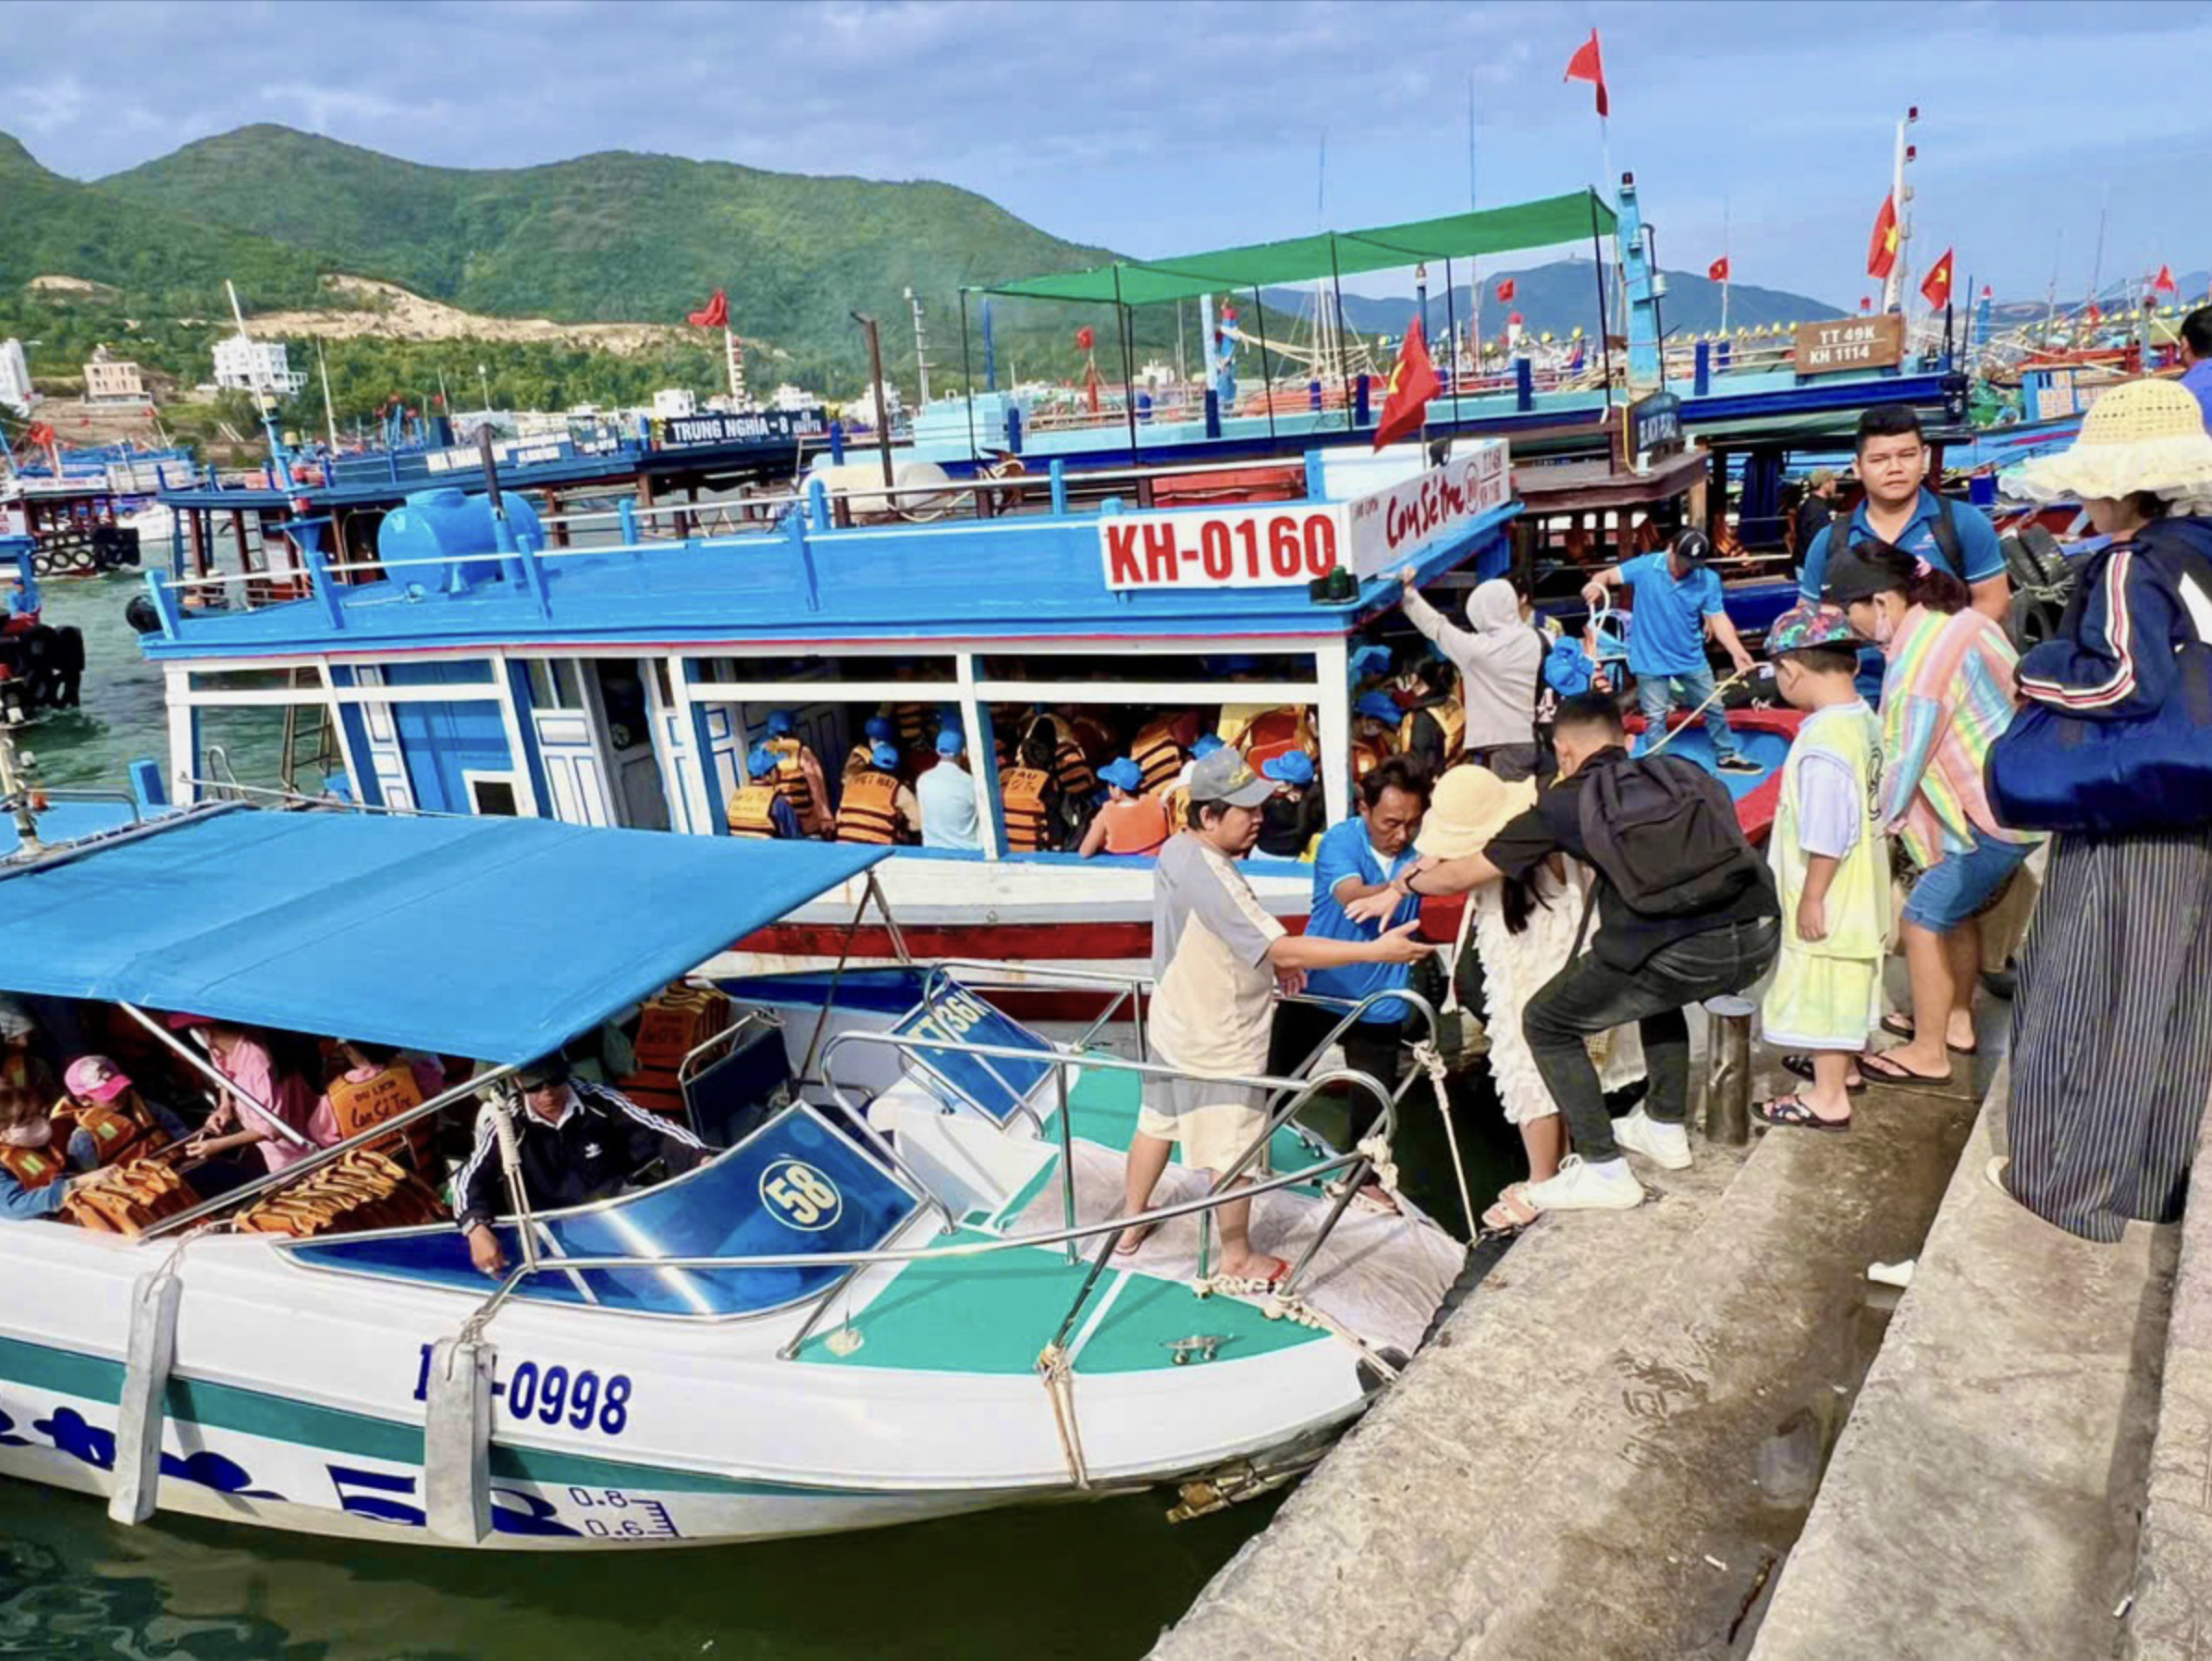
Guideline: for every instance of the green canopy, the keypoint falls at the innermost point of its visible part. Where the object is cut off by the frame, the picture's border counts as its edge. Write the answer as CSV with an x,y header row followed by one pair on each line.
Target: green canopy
x,y
1544,223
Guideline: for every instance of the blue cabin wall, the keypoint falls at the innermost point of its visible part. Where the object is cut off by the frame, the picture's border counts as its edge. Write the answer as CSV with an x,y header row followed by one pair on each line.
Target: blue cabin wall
x,y
440,741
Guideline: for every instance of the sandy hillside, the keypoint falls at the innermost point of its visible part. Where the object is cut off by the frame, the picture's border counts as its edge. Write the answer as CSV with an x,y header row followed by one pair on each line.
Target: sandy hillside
x,y
393,313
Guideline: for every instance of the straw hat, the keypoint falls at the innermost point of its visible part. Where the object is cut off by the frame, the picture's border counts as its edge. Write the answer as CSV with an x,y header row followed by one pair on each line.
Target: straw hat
x,y
2142,435
1471,805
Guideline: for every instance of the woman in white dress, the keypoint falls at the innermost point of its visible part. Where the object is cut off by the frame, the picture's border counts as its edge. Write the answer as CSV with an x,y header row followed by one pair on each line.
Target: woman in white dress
x,y
1523,934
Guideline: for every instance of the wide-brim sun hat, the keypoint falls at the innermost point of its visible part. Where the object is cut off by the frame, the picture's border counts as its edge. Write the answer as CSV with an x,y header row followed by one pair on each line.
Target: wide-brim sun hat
x,y
1470,807
2142,435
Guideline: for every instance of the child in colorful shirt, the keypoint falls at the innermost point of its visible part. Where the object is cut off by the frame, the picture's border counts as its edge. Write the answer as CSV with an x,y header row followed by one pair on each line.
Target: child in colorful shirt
x,y
1831,865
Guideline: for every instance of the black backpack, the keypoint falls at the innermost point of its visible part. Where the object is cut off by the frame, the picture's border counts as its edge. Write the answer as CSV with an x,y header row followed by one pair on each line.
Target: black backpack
x,y
1663,832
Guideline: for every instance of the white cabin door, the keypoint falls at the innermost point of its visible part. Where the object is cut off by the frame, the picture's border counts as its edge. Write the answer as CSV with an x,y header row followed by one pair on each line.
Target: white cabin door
x,y
562,720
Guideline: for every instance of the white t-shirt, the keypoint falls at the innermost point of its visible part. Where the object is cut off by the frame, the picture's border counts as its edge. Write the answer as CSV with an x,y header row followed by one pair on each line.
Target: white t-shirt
x,y
947,796
1213,1006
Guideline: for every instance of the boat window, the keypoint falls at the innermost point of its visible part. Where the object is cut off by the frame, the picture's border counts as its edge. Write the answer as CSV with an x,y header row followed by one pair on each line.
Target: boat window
x,y
796,1187
254,680
1212,671
824,671
553,684
493,796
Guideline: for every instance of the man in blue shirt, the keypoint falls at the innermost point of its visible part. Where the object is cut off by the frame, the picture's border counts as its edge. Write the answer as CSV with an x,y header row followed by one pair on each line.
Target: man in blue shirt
x,y
1678,600
1362,856
947,796
1899,509
2196,358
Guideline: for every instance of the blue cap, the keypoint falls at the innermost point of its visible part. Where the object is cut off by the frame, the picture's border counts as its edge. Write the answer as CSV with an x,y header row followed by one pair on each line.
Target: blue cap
x,y
1369,659
1378,706
1125,772
780,723
1292,767
949,742
884,756
880,728
1208,743
760,761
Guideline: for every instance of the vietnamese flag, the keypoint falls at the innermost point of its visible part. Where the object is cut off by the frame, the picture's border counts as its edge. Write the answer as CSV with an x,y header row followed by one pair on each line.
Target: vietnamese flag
x,y
1881,248
1937,289
714,314
1412,383
1505,292
1718,271
2164,283
1589,64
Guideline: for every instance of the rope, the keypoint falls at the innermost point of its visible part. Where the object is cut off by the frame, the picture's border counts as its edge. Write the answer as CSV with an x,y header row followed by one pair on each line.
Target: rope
x,y
1059,1376
1431,1060
1291,1307
1690,719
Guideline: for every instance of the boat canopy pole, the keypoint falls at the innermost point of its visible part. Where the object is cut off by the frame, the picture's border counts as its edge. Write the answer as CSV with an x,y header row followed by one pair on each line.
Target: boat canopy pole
x,y
1451,343
206,1069
1597,246
968,388
1267,376
1343,369
1121,328
837,975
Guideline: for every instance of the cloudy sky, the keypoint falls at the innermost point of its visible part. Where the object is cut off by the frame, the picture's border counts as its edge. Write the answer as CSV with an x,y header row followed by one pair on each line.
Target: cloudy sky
x,y
1156,127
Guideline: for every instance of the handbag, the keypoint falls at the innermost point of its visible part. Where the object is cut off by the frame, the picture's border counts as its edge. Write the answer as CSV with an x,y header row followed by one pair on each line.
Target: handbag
x,y
2145,772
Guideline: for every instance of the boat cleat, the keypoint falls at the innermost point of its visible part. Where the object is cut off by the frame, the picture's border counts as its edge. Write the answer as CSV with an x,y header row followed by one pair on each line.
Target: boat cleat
x,y
1198,1347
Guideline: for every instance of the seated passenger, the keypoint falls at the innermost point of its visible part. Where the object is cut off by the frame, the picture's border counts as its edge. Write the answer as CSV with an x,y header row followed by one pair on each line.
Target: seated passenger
x,y
946,794
246,1062
1130,822
110,1121
861,756
764,809
575,1142
31,1165
1294,816
379,1082
878,808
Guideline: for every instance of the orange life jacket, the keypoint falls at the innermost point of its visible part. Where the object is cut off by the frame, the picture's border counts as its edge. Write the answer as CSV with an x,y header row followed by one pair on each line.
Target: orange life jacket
x,y
1156,751
913,727
1023,791
35,1167
118,1134
1070,769
1367,755
1447,715
871,813
1092,738
791,775
356,1104
749,815
1135,825
859,758
1175,806
1277,733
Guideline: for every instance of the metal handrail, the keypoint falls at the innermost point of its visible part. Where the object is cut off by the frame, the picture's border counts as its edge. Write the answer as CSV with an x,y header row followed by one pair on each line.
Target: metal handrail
x,y
877,1256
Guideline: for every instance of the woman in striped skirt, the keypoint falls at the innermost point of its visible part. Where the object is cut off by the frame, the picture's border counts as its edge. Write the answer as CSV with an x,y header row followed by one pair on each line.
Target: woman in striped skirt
x,y
2112,1023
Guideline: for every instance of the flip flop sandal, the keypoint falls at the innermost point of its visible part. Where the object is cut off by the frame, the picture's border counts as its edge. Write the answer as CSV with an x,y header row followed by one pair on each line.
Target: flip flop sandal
x,y
1255,1286
1898,1026
1878,1068
1800,1066
1133,1240
1791,1112
1501,1222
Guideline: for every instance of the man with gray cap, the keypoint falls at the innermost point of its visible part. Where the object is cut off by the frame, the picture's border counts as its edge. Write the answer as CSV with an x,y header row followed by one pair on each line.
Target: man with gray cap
x,y
1217,955
575,1141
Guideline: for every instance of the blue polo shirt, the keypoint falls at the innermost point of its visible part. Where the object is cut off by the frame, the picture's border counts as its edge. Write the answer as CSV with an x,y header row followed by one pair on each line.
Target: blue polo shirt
x,y
1977,543
1345,852
1667,631
2198,379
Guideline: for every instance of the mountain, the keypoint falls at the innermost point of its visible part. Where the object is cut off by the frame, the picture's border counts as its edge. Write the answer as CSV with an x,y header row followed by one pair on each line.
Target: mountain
x,y
57,227
624,236
1563,296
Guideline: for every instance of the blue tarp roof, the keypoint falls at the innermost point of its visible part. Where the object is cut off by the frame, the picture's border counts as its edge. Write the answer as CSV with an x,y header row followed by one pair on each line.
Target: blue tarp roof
x,y
491,938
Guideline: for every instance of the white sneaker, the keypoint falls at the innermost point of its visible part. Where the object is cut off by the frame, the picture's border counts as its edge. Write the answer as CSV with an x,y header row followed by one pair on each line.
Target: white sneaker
x,y
1666,1146
1586,1188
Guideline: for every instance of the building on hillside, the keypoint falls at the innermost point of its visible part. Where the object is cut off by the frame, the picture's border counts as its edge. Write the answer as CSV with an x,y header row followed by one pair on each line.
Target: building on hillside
x,y
15,377
112,380
796,399
250,365
673,404
860,410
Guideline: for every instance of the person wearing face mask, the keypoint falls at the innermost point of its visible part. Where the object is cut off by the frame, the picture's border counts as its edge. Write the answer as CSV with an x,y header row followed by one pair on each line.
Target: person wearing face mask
x,y
1947,696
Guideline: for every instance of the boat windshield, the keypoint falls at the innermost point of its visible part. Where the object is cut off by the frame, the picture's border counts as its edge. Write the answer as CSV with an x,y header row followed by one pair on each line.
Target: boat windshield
x,y
797,1185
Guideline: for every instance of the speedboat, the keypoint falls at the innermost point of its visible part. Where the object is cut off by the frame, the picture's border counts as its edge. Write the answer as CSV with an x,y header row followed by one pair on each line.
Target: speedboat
x,y
890,1294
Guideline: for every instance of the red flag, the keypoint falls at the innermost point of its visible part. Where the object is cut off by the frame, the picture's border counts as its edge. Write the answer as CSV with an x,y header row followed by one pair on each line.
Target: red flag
x,y
1988,292
1937,287
1505,292
714,314
1881,248
2096,312
1866,303
1589,64
1718,271
1412,383
2164,283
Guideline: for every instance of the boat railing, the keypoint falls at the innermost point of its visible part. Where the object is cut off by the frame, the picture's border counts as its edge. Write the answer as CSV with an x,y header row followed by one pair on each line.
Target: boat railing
x,y
1352,1166
1127,990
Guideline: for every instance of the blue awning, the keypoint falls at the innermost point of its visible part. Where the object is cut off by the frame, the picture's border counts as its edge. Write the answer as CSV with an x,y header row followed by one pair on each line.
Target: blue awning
x,y
491,938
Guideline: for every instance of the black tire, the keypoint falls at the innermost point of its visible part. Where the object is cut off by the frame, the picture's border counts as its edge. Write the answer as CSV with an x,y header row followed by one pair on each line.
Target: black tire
x,y
68,651
2031,621
141,615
